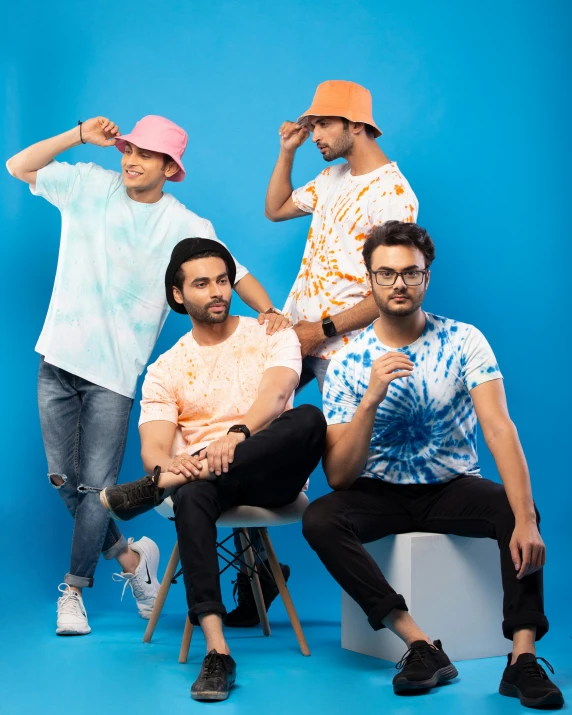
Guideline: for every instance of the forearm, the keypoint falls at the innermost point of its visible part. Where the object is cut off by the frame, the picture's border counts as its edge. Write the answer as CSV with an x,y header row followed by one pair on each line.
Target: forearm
x,y
345,460
269,405
505,447
250,290
280,184
38,155
153,456
360,316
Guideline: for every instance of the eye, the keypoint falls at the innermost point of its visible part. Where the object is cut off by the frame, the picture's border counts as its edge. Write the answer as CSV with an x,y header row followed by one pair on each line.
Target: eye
x,y
200,285
224,281
386,274
413,274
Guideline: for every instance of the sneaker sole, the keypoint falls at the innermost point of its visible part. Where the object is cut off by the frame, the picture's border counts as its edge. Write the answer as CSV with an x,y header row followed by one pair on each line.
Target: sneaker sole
x,y
440,676
107,506
511,691
70,632
209,695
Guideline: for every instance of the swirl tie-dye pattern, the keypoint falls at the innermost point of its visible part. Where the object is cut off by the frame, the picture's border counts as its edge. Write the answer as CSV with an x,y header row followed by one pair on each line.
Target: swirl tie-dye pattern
x,y
108,303
344,208
425,431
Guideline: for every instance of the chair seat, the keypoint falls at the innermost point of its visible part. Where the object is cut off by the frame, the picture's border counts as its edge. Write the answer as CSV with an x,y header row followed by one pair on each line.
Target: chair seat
x,y
244,516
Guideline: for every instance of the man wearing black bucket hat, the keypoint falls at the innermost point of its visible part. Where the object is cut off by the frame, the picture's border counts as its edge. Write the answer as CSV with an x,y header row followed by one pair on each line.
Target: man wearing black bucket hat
x,y
220,401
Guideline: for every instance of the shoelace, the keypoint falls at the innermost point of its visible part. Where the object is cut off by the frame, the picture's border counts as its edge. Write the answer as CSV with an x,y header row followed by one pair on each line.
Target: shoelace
x,y
132,580
415,653
69,602
142,492
534,670
213,665
241,588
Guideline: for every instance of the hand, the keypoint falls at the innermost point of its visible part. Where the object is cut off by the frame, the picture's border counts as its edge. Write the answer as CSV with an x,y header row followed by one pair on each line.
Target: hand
x,y
99,131
310,335
275,321
527,549
185,464
386,369
292,136
220,453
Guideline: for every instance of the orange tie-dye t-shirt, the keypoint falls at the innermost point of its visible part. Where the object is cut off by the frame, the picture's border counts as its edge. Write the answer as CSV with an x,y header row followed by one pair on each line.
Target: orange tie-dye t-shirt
x,y
205,389
332,276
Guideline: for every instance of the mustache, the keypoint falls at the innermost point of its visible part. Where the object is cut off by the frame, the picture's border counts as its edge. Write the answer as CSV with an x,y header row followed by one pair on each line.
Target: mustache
x,y
217,301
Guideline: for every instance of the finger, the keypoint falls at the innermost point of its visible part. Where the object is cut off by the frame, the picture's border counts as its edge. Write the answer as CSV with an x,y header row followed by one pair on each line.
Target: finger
x,y
191,466
224,456
210,458
515,555
262,318
525,549
217,460
399,375
231,448
109,142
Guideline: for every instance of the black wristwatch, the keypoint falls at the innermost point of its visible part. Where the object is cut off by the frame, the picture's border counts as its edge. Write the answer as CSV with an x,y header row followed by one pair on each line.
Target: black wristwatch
x,y
328,327
240,428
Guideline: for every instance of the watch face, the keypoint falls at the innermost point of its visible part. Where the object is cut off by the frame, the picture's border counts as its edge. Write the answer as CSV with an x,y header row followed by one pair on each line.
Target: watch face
x,y
328,327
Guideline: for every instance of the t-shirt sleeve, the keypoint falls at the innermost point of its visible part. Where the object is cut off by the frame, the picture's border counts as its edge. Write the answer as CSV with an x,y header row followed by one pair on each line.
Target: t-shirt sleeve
x,y
58,182
284,351
478,361
306,197
241,271
340,399
159,399
400,205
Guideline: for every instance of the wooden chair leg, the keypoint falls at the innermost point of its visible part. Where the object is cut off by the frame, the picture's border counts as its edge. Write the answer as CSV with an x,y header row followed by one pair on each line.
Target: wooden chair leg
x,y
186,642
162,595
284,592
255,582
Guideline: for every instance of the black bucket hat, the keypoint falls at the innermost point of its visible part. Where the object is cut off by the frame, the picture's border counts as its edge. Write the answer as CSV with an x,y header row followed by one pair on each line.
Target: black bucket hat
x,y
185,249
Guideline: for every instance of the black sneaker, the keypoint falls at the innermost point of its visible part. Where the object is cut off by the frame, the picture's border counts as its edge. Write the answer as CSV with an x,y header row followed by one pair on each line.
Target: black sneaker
x,y
216,678
423,666
245,614
527,681
126,501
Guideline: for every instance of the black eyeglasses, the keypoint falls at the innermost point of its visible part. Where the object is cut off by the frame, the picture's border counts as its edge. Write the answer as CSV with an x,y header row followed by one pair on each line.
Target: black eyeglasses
x,y
386,277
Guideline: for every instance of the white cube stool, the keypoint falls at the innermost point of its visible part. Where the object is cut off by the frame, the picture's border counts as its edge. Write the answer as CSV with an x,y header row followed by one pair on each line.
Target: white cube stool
x,y
452,587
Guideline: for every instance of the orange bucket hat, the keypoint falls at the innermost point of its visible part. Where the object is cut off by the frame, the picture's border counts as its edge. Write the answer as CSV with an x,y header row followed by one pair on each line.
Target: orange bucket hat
x,y
338,98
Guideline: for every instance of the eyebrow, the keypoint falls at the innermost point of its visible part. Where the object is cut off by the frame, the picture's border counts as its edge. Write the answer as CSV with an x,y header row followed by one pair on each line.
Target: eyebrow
x,y
207,279
407,268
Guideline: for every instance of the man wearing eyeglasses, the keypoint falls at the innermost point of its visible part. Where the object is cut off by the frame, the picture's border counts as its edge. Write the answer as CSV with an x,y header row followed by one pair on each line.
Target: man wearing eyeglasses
x,y
402,403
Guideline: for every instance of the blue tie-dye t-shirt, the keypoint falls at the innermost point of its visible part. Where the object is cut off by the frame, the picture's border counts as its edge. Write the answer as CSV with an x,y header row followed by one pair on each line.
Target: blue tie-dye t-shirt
x,y
425,430
108,304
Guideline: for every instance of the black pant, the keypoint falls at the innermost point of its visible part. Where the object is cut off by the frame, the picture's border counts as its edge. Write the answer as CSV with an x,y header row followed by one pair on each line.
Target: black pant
x,y
269,470
336,526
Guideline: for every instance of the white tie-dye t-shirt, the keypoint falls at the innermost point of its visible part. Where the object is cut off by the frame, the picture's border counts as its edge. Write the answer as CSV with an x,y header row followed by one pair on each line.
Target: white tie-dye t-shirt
x,y
108,303
425,431
345,208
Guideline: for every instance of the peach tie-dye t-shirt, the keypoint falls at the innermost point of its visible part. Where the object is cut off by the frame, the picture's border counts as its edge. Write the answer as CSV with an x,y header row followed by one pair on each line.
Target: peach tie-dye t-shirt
x,y
205,389
332,276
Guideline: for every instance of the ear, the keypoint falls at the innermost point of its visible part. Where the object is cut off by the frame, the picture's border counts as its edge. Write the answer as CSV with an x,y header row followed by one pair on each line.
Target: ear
x,y
427,279
358,127
177,295
171,169
368,279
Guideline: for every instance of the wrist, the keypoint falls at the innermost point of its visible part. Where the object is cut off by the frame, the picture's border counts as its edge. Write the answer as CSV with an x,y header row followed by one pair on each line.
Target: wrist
x,y
526,518
369,403
287,154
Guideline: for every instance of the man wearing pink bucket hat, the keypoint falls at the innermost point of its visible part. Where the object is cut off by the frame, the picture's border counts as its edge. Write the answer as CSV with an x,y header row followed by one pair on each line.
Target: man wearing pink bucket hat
x,y
107,309
330,302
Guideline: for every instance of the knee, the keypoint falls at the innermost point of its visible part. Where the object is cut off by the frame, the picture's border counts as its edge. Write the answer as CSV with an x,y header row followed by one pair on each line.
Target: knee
x,y
191,495
320,522
311,422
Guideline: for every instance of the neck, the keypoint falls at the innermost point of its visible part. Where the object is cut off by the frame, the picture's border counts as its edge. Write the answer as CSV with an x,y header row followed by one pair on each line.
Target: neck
x,y
214,333
146,196
397,331
365,157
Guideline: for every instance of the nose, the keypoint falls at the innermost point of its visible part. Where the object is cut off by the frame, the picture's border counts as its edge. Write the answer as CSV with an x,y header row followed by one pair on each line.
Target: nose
x,y
399,282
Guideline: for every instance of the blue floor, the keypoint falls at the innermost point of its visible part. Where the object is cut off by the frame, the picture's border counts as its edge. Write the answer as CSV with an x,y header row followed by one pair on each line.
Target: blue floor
x,y
111,671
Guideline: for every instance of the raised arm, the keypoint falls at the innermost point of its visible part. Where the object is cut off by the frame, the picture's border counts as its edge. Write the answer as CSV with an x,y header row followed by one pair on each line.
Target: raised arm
x,y
526,546
279,205
25,165
347,444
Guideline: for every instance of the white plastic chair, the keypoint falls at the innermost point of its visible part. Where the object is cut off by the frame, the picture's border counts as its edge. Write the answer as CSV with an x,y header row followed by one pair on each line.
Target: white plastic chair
x,y
239,517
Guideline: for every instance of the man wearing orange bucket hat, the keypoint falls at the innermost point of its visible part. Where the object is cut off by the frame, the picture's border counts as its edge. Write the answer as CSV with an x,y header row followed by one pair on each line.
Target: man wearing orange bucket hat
x,y
107,308
330,301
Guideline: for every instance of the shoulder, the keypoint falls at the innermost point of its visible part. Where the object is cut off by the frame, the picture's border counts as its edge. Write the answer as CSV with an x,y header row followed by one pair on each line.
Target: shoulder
x,y
333,173
392,175
357,351
450,330
171,359
190,218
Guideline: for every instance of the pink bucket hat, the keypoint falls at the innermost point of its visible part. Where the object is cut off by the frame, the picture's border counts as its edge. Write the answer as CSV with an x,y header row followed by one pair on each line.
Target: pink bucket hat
x,y
158,134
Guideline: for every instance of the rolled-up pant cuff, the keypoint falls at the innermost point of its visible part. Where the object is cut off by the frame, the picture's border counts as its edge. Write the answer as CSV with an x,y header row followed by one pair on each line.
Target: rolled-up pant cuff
x,y
78,581
525,619
387,604
206,607
116,549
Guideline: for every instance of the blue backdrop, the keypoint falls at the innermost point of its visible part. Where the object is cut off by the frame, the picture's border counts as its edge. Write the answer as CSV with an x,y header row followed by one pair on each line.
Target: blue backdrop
x,y
474,106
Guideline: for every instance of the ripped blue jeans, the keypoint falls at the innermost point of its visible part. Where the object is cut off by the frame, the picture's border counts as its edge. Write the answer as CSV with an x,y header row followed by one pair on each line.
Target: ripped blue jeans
x,y
84,427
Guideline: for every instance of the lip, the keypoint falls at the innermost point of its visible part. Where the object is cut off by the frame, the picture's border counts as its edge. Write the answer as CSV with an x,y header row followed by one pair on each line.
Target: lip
x,y
399,297
217,306
132,174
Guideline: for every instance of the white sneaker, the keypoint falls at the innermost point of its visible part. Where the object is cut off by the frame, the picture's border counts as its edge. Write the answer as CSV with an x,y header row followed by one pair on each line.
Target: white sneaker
x,y
72,618
143,582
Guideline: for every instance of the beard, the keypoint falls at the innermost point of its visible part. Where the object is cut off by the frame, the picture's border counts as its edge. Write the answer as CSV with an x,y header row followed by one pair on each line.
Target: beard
x,y
387,306
201,313
341,147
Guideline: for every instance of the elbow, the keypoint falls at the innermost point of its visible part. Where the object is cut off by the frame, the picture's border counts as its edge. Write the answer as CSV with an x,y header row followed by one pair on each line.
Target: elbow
x,y
499,431
270,215
11,166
